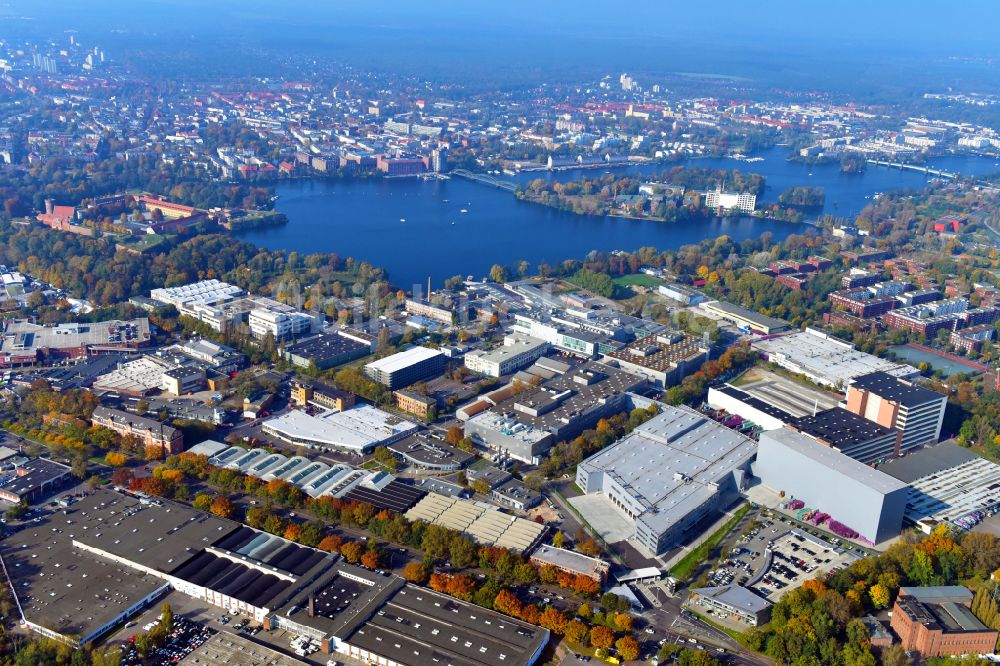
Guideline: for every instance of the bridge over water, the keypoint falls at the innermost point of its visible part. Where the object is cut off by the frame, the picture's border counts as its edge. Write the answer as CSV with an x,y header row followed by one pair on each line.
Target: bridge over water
x,y
915,167
485,179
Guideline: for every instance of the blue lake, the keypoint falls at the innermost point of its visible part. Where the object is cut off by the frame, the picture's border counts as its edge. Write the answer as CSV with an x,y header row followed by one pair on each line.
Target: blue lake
x,y
417,229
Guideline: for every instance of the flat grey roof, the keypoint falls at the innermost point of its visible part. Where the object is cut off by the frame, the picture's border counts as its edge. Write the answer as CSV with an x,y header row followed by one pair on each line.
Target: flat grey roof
x,y
64,588
159,537
419,626
892,388
226,648
735,596
569,559
672,463
927,461
749,315
840,428
834,459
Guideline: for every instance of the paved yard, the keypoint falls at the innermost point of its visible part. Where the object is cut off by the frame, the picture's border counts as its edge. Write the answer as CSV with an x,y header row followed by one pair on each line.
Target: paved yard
x,y
609,522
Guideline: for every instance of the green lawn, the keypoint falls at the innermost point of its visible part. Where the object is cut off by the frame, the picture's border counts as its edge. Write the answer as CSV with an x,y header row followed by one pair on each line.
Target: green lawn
x,y
690,562
640,279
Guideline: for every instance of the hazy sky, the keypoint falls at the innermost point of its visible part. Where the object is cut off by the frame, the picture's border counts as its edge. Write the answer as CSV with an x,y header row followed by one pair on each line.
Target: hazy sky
x,y
871,41
913,24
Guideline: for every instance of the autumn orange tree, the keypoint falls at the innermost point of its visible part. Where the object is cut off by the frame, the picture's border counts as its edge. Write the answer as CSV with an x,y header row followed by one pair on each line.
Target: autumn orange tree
x,y
222,507
331,543
415,572
601,637
371,559
628,648
351,550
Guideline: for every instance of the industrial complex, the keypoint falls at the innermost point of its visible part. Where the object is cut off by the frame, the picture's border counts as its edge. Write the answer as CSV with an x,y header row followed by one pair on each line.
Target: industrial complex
x,y
669,475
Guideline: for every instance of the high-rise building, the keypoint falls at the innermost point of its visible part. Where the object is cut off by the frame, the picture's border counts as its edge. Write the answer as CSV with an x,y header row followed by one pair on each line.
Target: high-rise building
x,y
914,411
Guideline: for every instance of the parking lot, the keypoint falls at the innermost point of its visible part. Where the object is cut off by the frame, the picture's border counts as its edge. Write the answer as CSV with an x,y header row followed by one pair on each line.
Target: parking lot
x,y
185,637
774,558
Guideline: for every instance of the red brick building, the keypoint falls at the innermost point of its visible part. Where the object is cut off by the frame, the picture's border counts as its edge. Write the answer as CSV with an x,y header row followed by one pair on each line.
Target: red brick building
x,y
148,433
938,621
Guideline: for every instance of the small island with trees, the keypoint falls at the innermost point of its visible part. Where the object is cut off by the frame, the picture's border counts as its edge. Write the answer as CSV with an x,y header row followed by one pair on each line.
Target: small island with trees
x,y
803,196
669,196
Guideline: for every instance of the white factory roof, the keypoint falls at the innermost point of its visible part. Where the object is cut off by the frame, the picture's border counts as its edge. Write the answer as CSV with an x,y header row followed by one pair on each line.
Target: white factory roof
x,y
483,523
826,359
357,429
672,463
209,448
403,359
142,374
206,291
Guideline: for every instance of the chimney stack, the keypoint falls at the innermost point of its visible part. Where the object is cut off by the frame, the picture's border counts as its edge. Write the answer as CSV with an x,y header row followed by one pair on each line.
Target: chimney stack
x,y
312,606
49,206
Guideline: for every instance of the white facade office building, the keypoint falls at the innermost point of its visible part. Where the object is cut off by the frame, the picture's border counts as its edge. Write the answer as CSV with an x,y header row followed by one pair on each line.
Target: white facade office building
x,y
741,201
518,351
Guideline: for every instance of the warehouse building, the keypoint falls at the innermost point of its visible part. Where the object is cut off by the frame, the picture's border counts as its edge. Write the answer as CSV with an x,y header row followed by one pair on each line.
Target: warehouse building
x,y
571,562
326,350
854,494
733,601
915,411
736,401
745,320
79,574
825,360
406,367
670,474
426,452
34,480
376,619
488,526
357,430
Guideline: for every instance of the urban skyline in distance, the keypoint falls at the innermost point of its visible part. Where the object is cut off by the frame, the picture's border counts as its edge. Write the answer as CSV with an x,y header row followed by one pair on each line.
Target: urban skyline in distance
x,y
499,334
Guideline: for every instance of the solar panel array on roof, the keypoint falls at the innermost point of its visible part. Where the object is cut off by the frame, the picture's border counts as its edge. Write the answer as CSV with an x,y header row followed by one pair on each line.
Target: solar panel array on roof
x,y
396,496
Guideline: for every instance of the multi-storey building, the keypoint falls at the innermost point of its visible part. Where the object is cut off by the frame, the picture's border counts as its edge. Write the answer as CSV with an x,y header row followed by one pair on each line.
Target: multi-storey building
x,y
938,621
283,323
406,367
518,351
915,412
669,475
744,202
148,433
